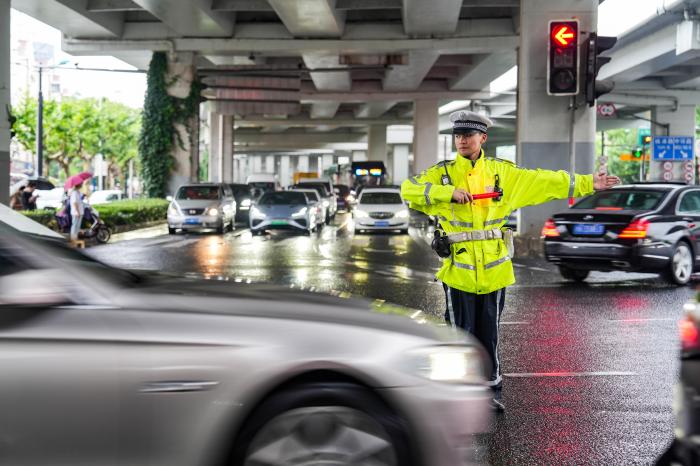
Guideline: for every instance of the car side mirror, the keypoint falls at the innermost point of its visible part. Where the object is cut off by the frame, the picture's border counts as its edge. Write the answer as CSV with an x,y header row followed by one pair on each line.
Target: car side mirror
x,y
21,288
169,198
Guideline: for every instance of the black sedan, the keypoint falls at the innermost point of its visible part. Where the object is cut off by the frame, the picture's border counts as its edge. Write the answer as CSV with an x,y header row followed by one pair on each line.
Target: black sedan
x,y
643,227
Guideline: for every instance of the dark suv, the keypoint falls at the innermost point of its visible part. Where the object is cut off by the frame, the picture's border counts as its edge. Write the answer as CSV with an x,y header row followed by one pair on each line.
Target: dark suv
x,y
643,227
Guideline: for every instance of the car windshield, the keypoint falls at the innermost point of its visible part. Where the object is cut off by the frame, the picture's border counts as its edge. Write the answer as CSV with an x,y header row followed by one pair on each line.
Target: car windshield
x,y
622,200
311,195
381,198
282,198
264,185
194,193
321,187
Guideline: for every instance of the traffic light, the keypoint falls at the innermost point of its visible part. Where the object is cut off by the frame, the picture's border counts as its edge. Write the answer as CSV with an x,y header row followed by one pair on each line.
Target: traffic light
x,y
637,152
562,63
646,140
593,47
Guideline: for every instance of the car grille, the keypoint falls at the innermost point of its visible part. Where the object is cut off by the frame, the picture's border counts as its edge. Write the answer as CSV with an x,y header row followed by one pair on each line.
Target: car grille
x,y
193,211
381,215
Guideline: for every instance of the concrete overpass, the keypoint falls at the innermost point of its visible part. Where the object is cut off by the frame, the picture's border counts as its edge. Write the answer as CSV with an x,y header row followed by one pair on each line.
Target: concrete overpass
x,y
334,74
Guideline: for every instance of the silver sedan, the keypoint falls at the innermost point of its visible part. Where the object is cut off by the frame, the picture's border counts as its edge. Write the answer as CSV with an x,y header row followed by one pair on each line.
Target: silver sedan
x,y
104,366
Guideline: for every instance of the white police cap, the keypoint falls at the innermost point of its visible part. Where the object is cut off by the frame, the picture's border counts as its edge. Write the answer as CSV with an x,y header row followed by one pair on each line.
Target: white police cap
x,y
464,121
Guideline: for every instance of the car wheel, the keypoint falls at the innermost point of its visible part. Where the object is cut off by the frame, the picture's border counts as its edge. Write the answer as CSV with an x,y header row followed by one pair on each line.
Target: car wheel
x,y
573,274
328,219
323,423
681,266
404,231
220,230
172,231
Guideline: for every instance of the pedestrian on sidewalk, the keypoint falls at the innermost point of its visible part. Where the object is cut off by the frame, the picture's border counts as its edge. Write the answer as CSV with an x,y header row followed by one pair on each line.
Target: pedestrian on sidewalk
x,y
75,201
477,265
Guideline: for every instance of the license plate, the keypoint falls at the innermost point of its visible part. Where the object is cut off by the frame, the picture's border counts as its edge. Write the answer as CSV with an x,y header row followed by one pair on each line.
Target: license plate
x,y
381,223
192,221
589,229
279,222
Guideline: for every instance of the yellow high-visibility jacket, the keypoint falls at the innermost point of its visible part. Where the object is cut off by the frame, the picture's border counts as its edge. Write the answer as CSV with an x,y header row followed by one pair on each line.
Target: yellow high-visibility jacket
x,y
483,266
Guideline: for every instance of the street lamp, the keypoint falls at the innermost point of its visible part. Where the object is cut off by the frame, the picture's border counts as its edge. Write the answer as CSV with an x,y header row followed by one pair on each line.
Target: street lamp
x,y
40,122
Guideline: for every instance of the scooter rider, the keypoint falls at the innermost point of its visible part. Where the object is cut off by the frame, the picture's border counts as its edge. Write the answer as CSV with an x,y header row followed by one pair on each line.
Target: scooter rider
x,y
477,261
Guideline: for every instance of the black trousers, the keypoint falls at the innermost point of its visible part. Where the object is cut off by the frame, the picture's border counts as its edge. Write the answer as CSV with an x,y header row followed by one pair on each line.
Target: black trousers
x,y
479,314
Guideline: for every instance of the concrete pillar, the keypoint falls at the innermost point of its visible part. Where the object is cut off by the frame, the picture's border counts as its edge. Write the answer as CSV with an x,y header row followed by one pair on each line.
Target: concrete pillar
x,y
4,101
376,143
314,163
270,164
303,163
400,163
256,163
326,162
181,72
359,156
545,122
285,174
425,134
221,167
681,123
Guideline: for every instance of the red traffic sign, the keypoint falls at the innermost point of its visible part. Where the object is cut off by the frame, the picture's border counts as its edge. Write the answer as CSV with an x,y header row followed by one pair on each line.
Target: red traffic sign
x,y
688,166
668,176
606,110
689,177
668,166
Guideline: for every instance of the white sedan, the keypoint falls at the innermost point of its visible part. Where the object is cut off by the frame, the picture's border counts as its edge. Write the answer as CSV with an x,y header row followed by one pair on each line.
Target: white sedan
x,y
381,209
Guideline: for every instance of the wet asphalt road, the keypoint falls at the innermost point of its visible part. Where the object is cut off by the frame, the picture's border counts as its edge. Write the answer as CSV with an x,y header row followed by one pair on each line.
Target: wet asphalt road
x,y
589,368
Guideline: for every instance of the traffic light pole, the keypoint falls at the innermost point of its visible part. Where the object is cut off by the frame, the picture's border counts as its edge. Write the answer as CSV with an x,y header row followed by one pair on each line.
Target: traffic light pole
x,y
572,144
40,130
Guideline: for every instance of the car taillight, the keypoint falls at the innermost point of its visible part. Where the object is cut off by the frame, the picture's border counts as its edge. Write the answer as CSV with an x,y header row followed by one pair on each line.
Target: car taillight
x,y
549,230
635,230
690,336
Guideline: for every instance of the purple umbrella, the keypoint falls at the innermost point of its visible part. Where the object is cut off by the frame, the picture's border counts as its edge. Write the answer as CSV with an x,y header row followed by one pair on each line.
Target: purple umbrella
x,y
75,180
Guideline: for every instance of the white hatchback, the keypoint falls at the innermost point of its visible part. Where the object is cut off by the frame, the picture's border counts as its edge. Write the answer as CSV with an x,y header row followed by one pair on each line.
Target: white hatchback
x,y
381,209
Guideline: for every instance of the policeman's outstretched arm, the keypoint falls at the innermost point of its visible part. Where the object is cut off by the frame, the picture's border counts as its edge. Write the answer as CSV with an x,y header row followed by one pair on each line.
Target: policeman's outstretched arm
x,y
425,191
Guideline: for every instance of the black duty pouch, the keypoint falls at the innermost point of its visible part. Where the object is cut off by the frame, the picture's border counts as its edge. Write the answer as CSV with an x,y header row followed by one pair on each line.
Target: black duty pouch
x,y
440,244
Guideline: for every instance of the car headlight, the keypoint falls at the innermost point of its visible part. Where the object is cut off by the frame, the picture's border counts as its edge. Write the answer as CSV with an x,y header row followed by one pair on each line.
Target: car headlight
x,y
325,203
255,212
360,214
402,214
300,212
449,364
245,203
213,211
173,210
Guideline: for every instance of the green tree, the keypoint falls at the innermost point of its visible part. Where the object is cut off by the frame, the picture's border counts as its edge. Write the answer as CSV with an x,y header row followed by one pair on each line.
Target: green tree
x,y
75,130
617,142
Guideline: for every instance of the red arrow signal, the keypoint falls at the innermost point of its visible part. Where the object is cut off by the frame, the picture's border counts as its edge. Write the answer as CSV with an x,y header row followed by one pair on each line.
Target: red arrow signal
x,y
563,35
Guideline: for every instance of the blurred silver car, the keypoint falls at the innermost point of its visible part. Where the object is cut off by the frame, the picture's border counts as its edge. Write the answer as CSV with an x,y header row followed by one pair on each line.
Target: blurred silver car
x,y
202,206
381,208
283,210
315,202
105,366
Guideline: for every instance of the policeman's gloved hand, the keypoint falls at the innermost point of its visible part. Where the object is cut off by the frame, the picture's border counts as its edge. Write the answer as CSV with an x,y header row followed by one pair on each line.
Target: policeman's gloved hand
x,y
461,196
604,181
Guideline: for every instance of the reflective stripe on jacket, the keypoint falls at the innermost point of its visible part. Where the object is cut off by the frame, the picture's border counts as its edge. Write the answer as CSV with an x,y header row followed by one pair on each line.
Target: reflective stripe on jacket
x,y
484,266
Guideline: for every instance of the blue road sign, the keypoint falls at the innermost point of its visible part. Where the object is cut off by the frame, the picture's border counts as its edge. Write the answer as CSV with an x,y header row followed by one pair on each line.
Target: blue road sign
x,y
673,148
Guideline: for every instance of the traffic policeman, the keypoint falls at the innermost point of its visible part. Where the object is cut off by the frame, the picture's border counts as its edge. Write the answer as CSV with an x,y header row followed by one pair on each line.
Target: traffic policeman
x,y
477,261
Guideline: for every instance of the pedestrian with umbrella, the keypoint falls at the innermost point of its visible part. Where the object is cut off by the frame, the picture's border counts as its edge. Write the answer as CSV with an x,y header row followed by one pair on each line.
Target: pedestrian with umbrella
x,y
73,185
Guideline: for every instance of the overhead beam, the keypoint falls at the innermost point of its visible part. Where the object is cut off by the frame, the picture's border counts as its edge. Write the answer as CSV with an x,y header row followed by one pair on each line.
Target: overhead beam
x,y
241,5
72,18
190,17
421,17
110,6
310,18
327,81
324,109
374,109
409,77
337,121
367,4
294,47
483,70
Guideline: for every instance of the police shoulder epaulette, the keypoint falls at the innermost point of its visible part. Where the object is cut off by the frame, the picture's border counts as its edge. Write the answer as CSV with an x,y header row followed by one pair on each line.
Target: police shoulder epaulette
x,y
496,159
443,163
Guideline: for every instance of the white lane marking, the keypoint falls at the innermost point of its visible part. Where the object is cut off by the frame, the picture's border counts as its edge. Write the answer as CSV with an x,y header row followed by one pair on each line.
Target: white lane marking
x,y
181,243
517,265
416,314
156,242
650,319
569,374
515,323
539,269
